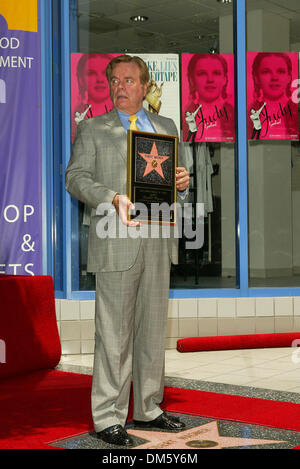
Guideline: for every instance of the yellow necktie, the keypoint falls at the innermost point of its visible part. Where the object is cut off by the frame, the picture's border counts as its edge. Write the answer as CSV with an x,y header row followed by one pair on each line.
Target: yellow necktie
x,y
132,119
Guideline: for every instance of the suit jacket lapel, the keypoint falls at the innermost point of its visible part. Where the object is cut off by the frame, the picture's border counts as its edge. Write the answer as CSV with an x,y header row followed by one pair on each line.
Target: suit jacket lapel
x,y
160,126
117,134
154,122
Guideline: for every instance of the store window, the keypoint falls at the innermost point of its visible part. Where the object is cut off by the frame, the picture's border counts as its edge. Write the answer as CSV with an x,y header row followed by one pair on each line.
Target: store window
x,y
188,46
273,144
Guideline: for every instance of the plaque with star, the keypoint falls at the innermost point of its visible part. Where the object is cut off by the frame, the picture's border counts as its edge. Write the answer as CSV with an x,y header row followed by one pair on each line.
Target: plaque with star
x,y
151,176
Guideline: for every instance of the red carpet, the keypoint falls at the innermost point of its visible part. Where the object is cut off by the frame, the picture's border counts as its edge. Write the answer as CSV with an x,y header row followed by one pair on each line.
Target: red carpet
x,y
45,406
235,342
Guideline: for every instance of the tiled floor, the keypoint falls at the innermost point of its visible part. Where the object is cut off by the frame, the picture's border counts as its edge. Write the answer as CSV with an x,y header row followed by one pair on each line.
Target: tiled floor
x,y
271,369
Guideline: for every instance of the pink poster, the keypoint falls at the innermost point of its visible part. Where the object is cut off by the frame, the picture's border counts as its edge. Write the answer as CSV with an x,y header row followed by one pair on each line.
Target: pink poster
x,y
272,111
208,98
90,95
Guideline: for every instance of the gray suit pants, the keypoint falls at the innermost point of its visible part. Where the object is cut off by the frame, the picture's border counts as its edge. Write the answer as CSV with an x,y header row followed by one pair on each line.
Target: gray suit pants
x,y
131,316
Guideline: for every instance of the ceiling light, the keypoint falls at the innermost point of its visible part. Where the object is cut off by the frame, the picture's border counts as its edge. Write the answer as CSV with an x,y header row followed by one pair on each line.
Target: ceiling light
x,y
139,18
226,2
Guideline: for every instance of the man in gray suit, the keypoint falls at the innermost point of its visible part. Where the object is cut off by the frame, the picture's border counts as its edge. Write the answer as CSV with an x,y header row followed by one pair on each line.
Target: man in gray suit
x,y
132,273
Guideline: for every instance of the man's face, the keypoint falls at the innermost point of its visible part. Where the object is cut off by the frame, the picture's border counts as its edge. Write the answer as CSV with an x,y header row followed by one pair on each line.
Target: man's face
x,y
126,90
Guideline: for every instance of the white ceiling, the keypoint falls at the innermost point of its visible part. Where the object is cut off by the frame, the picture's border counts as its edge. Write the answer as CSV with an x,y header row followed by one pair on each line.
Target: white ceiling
x,y
173,25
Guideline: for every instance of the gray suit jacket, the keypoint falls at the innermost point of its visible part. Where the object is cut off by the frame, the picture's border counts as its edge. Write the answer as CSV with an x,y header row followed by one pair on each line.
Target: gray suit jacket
x,y
96,172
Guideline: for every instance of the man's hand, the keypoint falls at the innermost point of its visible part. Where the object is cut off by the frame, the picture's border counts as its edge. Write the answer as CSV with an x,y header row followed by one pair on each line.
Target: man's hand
x,y
122,205
182,179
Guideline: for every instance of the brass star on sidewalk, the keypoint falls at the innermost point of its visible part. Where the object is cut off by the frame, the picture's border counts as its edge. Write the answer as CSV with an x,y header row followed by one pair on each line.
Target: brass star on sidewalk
x,y
154,161
203,437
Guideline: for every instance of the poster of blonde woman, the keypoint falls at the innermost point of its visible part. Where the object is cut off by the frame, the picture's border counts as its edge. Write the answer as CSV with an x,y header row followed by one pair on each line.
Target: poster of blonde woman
x,y
208,98
90,95
272,111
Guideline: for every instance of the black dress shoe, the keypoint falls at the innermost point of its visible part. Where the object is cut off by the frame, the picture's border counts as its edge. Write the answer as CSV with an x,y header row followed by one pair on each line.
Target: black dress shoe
x,y
164,422
115,435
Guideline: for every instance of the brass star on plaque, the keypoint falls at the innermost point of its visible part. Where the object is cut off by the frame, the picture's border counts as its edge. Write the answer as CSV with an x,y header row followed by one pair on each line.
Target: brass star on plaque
x,y
154,161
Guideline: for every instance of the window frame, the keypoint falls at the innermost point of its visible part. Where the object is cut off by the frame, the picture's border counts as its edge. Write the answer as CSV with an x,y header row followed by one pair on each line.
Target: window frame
x,y
63,149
